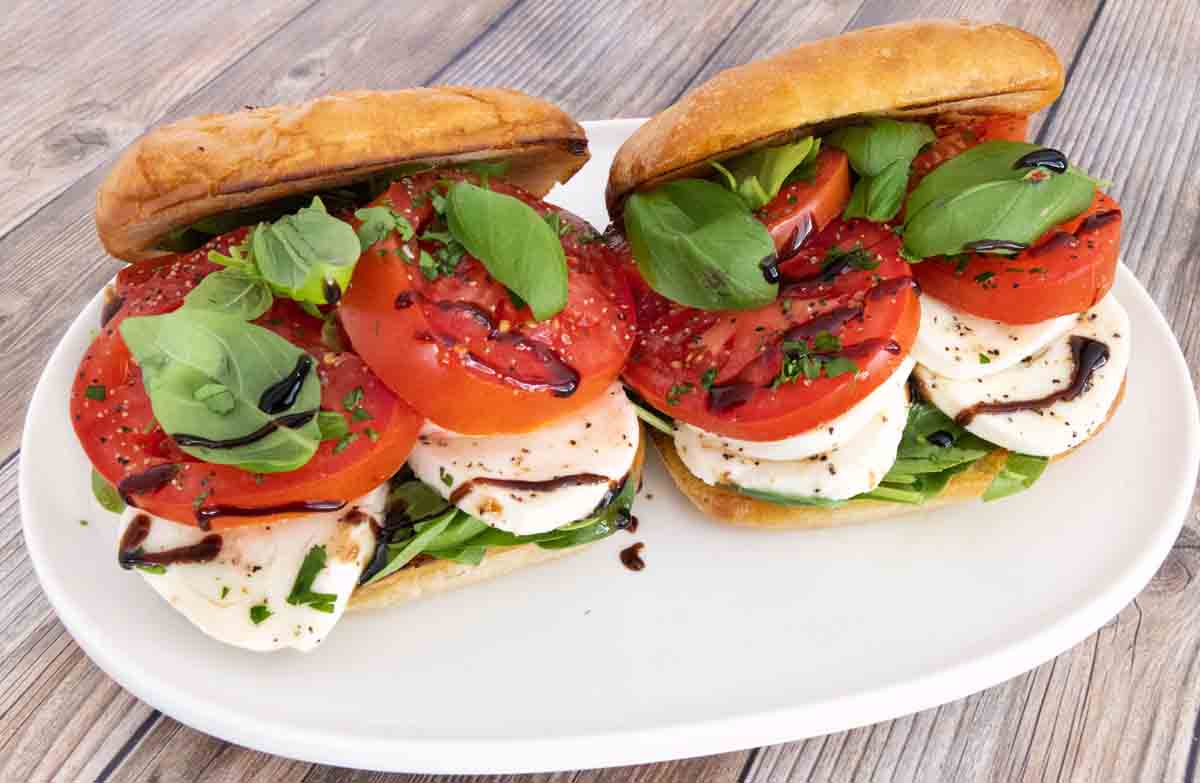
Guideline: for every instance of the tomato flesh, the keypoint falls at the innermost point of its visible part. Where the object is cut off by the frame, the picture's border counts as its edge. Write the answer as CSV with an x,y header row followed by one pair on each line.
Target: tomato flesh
x,y
715,370
1066,271
805,207
122,438
461,350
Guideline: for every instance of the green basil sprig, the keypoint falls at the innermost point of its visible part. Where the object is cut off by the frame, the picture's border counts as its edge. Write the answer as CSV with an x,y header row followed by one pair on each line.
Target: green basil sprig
x,y
880,152
979,195
205,373
513,242
758,176
232,291
697,244
309,256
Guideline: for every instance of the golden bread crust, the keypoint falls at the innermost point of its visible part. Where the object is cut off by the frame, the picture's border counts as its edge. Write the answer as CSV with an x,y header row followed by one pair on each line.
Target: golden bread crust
x,y
438,576
179,173
917,68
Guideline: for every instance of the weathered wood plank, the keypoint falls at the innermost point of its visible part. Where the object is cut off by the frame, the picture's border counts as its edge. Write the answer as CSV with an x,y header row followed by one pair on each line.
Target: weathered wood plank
x,y
90,77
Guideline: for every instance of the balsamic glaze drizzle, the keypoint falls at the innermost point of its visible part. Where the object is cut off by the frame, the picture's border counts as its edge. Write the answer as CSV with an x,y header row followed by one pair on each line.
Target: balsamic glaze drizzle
x,y
291,421
282,394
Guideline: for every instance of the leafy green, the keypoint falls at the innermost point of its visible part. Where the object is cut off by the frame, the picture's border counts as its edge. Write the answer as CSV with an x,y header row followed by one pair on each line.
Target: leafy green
x,y
786,500
1019,473
880,152
759,175
183,351
259,612
307,256
235,291
302,593
808,361
697,244
652,417
106,494
979,195
514,242
332,425
378,222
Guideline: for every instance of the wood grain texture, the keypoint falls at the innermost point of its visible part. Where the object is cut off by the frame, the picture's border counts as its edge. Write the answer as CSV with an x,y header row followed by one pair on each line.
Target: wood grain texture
x,y
1121,705
69,126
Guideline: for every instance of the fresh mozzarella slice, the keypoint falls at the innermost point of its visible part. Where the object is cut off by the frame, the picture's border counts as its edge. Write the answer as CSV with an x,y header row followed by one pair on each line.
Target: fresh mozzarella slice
x,y
956,344
815,441
576,461
854,467
257,566
1066,423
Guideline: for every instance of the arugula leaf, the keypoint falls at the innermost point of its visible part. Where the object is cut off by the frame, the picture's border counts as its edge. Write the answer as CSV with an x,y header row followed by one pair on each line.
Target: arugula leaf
x,y
981,195
1019,473
399,555
697,244
513,242
415,500
106,494
183,351
235,291
758,176
881,151
302,593
309,256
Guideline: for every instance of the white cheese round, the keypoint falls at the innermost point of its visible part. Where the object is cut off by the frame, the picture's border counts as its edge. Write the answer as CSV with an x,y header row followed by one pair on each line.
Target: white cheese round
x,y
1066,423
600,440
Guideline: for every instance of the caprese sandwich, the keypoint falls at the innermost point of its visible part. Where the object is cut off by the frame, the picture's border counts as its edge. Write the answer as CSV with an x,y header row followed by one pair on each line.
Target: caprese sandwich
x,y
859,290
308,284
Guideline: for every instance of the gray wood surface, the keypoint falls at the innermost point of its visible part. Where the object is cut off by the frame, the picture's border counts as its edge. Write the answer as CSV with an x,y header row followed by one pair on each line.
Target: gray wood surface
x,y
80,81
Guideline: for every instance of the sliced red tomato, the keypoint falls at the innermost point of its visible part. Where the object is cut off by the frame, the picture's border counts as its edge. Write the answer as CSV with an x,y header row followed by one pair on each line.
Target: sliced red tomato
x,y
960,135
718,370
115,423
1066,271
805,207
461,350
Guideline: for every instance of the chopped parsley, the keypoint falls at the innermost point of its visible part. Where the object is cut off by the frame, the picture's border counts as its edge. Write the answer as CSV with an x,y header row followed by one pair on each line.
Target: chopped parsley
x,y
800,360
302,593
344,442
677,390
371,433
446,478
983,277
96,392
361,414
353,398
224,590
838,260
153,569
332,425
259,612
709,377
984,359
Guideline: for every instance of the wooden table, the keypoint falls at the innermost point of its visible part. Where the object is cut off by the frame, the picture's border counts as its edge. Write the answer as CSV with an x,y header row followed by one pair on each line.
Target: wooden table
x,y
79,83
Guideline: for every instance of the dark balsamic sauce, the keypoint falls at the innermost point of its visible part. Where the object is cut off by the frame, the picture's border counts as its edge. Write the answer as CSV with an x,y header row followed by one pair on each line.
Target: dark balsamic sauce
x,y
563,379
1088,355
130,554
146,482
548,485
795,240
832,322
1094,222
291,420
206,514
1057,239
332,291
631,557
892,286
729,396
282,394
770,268
1045,158
632,526
941,439
994,245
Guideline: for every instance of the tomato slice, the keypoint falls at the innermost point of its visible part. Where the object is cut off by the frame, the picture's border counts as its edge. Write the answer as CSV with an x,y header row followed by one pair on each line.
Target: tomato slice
x,y
122,438
805,207
461,351
1066,271
715,370
958,136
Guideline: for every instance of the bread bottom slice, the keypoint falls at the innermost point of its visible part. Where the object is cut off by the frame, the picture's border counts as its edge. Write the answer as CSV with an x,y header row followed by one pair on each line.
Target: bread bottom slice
x,y
734,508
439,576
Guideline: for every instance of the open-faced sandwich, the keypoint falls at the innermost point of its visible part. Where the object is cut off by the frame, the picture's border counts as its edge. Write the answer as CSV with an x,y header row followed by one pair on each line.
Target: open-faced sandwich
x,y
860,290
355,358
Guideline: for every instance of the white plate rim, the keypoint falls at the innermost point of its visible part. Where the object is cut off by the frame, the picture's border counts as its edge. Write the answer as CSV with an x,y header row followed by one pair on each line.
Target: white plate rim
x,y
684,739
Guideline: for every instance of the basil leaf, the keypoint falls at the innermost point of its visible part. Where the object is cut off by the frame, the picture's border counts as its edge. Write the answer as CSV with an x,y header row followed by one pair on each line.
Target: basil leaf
x,y
106,494
415,500
878,198
758,176
232,291
881,153
181,352
512,240
987,162
378,222
785,500
1012,210
1019,473
878,143
308,256
405,551
697,244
